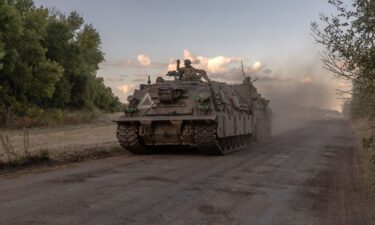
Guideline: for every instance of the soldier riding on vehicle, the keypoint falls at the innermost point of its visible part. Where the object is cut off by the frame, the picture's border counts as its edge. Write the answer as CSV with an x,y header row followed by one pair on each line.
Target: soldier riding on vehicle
x,y
248,82
189,73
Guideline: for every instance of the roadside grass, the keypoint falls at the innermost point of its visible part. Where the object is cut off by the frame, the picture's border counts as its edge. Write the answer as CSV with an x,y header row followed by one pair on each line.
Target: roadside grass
x,y
23,161
54,117
11,161
14,159
89,154
365,131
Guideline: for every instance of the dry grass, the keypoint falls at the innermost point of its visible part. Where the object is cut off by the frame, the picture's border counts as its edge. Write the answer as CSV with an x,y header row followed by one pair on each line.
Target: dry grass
x,y
60,144
12,158
7,147
18,159
55,117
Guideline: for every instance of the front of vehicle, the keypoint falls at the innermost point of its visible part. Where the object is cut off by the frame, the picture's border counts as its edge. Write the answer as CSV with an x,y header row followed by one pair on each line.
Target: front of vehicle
x,y
164,113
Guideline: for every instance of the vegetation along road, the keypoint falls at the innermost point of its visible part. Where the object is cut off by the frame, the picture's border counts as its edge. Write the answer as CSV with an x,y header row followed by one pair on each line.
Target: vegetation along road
x,y
306,176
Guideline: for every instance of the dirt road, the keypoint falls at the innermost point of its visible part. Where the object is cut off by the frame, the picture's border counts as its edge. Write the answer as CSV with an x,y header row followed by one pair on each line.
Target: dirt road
x,y
307,176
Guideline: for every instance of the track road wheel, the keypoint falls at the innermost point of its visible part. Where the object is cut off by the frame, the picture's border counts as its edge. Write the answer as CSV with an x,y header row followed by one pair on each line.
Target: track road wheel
x,y
206,139
128,138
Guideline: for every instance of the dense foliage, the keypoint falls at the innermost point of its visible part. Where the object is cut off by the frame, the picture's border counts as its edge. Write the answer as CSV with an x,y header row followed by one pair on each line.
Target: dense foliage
x,y
349,41
48,60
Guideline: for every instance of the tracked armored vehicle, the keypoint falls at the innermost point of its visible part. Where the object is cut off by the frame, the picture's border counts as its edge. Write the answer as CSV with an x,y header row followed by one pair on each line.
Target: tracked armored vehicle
x,y
215,117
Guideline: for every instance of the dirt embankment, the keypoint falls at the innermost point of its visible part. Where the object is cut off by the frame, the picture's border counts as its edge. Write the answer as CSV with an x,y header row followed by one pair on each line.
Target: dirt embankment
x,y
61,142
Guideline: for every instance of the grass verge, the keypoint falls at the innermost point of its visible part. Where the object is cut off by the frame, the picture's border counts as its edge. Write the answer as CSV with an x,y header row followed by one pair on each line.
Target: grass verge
x,y
23,161
54,117
11,160
44,159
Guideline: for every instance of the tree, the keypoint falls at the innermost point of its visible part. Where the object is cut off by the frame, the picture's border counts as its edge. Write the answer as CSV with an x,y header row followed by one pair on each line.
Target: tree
x,y
76,47
2,53
48,60
349,41
28,77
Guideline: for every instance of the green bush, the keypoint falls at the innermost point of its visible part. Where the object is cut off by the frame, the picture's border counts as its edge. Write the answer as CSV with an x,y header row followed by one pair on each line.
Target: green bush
x,y
59,115
51,65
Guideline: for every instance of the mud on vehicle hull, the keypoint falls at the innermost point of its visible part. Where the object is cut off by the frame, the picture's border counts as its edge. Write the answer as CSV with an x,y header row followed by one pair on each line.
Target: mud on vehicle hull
x,y
201,134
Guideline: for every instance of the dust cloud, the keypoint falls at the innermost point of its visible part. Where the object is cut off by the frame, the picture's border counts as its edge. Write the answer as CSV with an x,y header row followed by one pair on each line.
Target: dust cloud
x,y
298,93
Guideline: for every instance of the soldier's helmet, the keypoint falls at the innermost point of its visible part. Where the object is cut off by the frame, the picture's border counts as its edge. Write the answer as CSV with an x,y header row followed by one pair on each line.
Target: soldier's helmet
x,y
187,62
248,79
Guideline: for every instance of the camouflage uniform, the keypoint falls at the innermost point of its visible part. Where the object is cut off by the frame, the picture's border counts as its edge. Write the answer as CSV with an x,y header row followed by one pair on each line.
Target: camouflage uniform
x,y
189,73
248,82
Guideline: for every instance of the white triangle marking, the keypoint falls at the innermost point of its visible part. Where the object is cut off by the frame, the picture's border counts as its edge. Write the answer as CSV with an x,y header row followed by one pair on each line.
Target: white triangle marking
x,y
142,104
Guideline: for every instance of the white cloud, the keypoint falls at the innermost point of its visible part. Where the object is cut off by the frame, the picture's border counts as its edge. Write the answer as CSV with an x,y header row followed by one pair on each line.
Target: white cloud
x,y
257,68
257,65
305,80
172,65
144,60
214,65
188,55
220,64
123,88
121,63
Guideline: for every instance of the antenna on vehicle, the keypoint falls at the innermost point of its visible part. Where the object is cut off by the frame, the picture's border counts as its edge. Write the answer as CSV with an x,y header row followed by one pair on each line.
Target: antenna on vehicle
x,y
244,75
243,71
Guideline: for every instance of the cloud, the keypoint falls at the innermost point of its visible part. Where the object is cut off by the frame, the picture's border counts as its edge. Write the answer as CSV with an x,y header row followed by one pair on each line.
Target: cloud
x,y
220,64
172,65
123,88
144,60
139,80
266,79
305,80
257,65
189,55
120,63
222,68
126,89
256,68
214,65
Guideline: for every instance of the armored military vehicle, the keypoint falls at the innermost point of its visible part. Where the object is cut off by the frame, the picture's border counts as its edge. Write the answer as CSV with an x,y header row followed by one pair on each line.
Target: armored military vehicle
x,y
215,117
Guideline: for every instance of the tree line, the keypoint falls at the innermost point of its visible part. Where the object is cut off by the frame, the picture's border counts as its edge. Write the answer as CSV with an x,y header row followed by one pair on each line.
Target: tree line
x,y
348,38
48,60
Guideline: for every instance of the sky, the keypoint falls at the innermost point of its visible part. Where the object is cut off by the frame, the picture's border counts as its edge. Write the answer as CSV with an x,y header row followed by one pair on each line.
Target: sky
x,y
272,37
